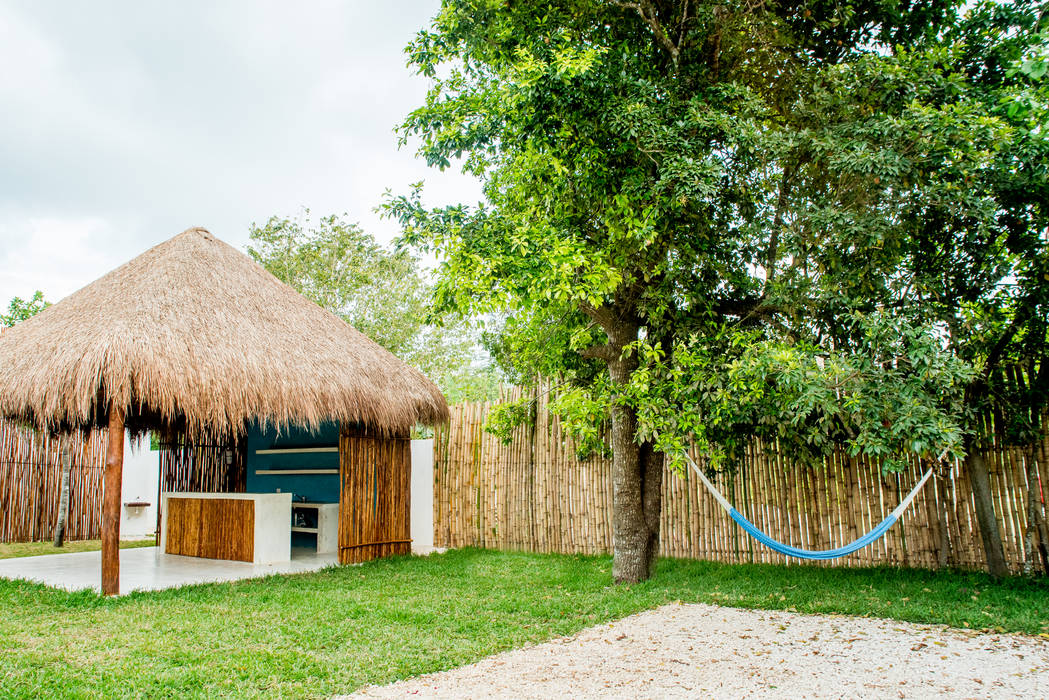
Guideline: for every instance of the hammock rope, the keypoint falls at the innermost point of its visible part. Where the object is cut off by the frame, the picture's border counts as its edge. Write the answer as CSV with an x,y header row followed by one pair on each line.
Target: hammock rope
x,y
786,549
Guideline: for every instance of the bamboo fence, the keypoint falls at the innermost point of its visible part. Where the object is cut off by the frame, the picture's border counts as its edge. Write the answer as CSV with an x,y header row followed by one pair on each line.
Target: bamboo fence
x,y
30,480
534,494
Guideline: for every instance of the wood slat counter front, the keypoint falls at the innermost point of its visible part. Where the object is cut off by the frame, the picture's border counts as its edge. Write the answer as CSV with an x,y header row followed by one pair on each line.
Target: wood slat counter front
x,y
251,527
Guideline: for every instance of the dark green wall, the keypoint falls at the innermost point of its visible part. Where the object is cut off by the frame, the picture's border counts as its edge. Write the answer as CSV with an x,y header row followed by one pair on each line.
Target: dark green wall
x,y
315,487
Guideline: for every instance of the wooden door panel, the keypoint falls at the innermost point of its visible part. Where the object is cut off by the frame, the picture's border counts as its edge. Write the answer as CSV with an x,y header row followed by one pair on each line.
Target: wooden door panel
x,y
374,500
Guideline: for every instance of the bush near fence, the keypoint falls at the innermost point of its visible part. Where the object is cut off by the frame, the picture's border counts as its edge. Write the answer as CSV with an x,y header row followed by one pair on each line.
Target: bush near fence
x,y
534,494
30,481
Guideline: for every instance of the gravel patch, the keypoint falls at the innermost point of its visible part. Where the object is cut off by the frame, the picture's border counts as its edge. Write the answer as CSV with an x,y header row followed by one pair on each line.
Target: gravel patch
x,y
680,651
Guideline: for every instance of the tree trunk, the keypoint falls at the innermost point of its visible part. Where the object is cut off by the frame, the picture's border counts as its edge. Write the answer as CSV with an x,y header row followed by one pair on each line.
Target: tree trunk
x,y
652,462
630,555
1043,539
1033,534
111,503
637,473
989,532
637,470
63,497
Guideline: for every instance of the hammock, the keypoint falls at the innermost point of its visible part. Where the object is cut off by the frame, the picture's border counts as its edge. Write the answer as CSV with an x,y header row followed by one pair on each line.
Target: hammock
x,y
853,546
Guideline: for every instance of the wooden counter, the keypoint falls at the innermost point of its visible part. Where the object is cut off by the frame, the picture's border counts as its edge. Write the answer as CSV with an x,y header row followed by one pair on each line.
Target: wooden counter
x,y
252,527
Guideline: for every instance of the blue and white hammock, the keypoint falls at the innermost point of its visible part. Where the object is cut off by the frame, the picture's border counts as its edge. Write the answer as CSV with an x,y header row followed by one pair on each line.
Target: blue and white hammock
x,y
853,546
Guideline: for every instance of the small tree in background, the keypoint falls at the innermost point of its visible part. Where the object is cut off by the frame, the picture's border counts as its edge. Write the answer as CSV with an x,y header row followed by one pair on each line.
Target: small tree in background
x,y
20,309
380,292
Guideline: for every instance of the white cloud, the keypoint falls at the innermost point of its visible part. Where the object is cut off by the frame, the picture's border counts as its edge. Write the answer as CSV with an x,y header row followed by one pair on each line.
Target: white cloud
x,y
52,254
123,123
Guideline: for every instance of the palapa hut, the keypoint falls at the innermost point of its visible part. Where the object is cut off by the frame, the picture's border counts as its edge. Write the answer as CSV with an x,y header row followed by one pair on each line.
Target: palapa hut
x,y
194,337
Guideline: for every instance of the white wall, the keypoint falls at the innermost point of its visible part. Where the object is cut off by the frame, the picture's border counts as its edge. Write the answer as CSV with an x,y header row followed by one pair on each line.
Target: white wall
x,y
141,476
422,496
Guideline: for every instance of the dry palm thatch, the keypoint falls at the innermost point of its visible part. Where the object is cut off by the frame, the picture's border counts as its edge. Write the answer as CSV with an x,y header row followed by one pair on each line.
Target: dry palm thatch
x,y
193,335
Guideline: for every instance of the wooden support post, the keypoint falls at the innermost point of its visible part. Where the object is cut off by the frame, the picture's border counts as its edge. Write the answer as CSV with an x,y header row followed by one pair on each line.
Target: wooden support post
x,y
111,503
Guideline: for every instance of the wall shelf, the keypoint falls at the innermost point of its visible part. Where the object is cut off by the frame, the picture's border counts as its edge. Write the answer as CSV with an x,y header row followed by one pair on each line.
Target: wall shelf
x,y
320,519
296,450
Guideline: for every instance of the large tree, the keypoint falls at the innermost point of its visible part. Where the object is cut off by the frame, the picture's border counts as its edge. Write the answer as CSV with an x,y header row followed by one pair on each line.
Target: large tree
x,y
985,277
701,213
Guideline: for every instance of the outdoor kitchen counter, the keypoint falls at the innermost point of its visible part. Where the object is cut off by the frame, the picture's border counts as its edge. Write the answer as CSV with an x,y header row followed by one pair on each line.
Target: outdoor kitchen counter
x,y
253,527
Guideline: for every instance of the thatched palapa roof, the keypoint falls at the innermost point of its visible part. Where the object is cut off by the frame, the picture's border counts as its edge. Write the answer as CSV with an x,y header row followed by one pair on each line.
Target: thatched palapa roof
x,y
193,334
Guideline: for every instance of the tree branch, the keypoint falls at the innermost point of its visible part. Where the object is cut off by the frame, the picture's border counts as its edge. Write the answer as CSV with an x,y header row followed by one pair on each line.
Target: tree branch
x,y
602,315
600,352
681,25
647,12
785,185
751,306
1026,310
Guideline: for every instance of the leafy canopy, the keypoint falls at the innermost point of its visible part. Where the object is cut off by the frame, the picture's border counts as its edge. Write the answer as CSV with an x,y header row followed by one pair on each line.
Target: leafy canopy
x,y
770,217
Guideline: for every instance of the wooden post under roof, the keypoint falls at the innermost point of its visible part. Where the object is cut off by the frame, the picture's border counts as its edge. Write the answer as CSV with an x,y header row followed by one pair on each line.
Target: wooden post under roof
x,y
111,503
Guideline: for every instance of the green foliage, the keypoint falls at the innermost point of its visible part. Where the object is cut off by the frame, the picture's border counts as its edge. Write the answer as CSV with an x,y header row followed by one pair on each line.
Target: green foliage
x,y
505,417
584,415
334,631
584,418
897,394
472,384
343,269
20,309
720,200
381,293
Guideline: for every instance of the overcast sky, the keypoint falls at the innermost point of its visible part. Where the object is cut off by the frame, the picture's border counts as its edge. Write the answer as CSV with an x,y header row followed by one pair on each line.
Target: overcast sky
x,y
124,123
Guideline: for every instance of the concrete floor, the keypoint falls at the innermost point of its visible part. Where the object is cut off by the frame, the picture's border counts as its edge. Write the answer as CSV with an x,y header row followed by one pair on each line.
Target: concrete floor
x,y
148,569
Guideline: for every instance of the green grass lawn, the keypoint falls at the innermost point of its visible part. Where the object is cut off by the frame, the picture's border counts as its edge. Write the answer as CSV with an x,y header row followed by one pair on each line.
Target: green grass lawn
x,y
330,632
10,550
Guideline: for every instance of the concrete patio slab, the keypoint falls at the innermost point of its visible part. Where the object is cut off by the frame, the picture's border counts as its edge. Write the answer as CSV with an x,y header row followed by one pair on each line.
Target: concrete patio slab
x,y
149,569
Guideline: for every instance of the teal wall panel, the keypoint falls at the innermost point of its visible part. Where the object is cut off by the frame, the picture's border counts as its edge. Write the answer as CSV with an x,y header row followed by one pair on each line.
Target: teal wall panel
x,y
315,487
